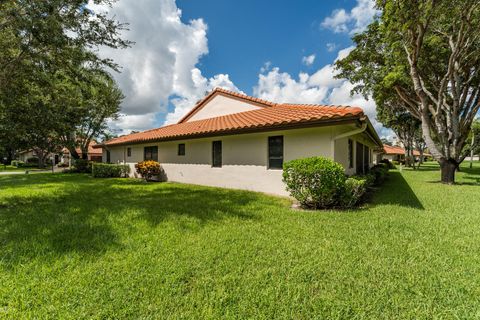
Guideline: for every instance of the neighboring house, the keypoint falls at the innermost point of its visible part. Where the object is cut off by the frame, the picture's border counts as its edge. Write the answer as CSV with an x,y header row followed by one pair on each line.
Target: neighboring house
x,y
395,153
236,141
24,155
93,154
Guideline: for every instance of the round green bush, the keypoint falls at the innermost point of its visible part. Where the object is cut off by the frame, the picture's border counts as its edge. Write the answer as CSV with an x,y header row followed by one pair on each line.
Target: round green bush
x,y
315,182
355,189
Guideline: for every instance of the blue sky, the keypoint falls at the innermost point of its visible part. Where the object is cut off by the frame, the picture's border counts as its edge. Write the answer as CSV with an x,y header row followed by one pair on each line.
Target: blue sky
x,y
243,35
278,50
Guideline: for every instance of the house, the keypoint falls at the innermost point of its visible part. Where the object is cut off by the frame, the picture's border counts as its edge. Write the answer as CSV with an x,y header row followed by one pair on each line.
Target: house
x,y
236,141
93,154
31,155
396,153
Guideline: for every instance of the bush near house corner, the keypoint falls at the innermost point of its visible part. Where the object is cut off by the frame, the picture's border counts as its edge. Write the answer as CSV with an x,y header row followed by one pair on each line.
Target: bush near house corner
x,y
83,166
320,183
106,170
148,169
315,182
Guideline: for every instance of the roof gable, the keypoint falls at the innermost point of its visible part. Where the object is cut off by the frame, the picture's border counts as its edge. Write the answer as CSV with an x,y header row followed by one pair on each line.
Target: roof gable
x,y
221,102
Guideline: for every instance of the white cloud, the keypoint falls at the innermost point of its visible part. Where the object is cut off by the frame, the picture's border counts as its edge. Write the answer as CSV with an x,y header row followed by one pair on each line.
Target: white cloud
x,y
266,67
331,46
308,60
161,63
341,21
320,87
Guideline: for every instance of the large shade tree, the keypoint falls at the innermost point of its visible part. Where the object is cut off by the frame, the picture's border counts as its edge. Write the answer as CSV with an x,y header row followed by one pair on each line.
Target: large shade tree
x,y
48,48
428,53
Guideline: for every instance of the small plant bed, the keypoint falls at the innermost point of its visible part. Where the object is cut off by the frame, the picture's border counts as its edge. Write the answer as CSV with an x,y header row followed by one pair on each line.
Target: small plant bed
x,y
149,170
320,183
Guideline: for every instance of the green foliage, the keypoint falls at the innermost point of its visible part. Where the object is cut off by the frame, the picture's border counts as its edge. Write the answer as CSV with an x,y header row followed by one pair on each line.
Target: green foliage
x,y
421,60
17,163
54,88
379,172
106,170
354,190
315,182
148,169
83,166
389,164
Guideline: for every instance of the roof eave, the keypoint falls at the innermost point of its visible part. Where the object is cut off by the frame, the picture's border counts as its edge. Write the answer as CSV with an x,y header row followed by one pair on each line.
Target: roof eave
x,y
289,126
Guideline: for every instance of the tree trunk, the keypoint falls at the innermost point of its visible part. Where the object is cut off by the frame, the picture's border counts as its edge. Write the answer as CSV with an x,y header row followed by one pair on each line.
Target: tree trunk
x,y
448,168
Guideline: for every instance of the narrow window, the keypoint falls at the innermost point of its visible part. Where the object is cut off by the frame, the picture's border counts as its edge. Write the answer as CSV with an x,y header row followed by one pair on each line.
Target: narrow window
x,y
181,149
216,153
359,158
150,153
366,159
350,153
108,156
129,152
275,152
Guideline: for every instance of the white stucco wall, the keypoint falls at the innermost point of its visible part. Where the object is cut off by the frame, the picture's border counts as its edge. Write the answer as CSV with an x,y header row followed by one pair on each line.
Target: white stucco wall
x,y
244,157
220,105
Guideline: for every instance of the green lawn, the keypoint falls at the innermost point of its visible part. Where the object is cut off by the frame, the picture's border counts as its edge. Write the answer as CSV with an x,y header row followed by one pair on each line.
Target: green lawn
x,y
10,168
76,247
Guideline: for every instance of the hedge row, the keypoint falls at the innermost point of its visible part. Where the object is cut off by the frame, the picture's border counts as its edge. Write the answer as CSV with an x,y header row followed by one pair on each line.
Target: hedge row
x,y
106,170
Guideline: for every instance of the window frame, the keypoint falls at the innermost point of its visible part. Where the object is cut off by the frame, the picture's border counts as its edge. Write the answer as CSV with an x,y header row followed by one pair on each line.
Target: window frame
x,y
274,157
215,164
180,150
129,152
150,148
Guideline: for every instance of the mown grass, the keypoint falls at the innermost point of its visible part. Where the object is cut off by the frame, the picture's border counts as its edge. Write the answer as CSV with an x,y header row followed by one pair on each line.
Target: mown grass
x,y
76,247
10,168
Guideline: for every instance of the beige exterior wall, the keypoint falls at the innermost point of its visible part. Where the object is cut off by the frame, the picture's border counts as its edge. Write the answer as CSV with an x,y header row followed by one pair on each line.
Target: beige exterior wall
x,y
220,106
342,156
244,157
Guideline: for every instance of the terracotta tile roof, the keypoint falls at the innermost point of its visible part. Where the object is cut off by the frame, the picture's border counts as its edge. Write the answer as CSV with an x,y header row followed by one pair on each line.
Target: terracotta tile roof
x,y
399,150
91,149
393,150
278,117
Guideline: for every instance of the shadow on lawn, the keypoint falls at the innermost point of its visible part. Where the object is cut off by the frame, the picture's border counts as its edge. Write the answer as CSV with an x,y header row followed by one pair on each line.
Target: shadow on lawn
x,y
83,215
397,191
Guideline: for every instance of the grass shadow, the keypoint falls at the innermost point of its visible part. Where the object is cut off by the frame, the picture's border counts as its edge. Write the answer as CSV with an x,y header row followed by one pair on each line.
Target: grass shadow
x,y
403,194
82,214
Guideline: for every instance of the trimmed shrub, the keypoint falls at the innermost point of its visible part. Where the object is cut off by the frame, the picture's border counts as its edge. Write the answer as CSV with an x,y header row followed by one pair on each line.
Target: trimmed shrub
x,y
315,182
17,163
380,172
83,166
354,191
148,169
32,161
106,170
388,164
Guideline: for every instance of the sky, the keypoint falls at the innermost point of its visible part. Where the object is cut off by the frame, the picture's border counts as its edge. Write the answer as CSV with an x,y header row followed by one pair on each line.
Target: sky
x,y
278,50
